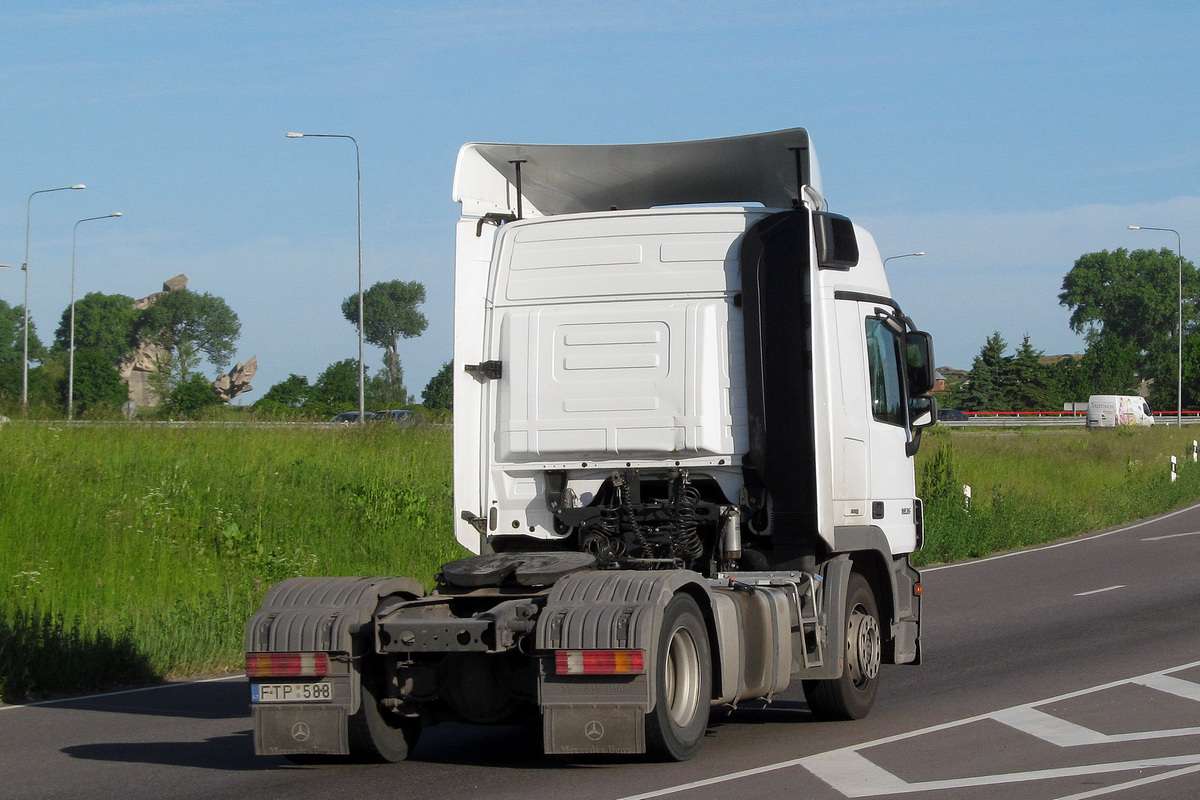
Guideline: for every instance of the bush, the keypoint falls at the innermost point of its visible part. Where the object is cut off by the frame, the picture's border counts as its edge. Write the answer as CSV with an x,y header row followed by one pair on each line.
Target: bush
x,y
191,397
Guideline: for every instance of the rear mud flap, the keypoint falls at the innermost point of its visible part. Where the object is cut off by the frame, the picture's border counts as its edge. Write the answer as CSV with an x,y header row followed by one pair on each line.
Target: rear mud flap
x,y
284,730
570,730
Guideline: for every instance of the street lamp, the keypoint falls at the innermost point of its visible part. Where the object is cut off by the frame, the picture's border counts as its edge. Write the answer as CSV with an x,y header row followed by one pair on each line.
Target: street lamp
x,y
906,255
71,354
25,345
362,393
1179,377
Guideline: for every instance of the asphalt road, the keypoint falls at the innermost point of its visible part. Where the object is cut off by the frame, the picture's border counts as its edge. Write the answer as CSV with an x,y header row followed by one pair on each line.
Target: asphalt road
x,y
1066,672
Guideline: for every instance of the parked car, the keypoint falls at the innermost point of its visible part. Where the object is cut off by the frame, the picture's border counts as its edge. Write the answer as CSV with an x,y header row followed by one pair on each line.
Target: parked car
x,y
348,417
951,415
395,415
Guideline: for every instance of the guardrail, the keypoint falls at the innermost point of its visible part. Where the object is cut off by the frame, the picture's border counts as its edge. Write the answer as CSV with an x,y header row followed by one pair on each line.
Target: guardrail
x,y
1016,419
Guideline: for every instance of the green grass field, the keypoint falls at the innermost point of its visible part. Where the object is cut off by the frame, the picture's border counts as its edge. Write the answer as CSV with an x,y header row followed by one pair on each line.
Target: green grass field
x,y
134,551
1035,485
130,553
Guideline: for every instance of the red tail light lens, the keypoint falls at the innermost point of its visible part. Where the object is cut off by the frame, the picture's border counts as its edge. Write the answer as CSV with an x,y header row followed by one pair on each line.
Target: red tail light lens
x,y
287,665
600,662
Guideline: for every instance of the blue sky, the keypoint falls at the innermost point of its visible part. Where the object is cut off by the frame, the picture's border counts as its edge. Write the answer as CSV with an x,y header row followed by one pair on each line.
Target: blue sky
x,y
1004,139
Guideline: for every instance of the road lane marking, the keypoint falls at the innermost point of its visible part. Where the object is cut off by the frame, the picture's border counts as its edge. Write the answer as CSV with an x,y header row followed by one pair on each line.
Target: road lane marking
x,y
863,789
1048,728
1120,787
1098,591
839,768
1175,686
863,776
1170,536
123,691
730,776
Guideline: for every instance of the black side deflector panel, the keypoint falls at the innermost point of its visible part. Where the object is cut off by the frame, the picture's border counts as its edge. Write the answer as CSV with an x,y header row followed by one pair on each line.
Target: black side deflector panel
x,y
777,304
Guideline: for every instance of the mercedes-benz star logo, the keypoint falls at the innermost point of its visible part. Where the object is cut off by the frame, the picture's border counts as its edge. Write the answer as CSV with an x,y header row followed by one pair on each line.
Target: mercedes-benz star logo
x,y
300,732
594,731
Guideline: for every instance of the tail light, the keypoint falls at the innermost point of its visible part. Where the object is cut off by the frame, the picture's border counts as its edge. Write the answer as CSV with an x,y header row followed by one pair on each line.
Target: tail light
x,y
600,662
287,665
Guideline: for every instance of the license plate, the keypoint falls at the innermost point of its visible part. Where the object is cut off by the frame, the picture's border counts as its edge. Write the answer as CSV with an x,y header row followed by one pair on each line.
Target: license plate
x,y
291,692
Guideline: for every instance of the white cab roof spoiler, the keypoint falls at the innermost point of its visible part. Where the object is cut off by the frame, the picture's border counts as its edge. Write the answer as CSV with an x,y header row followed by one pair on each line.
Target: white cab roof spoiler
x,y
566,179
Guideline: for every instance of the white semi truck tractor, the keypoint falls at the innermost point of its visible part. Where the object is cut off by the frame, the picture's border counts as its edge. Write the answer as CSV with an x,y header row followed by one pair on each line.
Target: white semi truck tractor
x,y
686,408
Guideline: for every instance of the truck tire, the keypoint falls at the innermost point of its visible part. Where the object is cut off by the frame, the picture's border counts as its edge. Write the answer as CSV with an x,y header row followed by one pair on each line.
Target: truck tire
x,y
682,683
377,735
852,695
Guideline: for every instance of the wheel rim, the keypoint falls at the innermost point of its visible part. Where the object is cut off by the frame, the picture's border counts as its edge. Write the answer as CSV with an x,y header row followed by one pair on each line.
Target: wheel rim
x,y
681,688
863,647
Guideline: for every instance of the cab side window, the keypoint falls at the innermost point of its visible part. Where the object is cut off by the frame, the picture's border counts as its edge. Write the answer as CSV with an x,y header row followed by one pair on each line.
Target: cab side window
x,y
883,362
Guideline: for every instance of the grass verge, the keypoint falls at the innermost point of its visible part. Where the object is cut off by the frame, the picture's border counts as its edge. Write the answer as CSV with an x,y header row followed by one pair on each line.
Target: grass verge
x,y
145,548
1036,485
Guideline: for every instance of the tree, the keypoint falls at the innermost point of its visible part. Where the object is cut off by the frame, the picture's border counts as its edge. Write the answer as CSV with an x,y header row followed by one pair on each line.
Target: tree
x,y
1132,298
984,389
383,392
292,391
97,383
204,321
174,368
1031,385
390,309
12,321
191,397
103,322
336,389
1109,366
439,392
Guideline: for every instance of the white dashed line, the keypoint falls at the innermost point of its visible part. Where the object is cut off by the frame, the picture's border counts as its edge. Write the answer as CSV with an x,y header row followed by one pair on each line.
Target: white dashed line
x,y
1169,536
1098,591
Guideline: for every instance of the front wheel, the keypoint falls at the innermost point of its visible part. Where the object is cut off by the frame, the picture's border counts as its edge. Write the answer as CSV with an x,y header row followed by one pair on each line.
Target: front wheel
x,y
682,683
377,734
852,695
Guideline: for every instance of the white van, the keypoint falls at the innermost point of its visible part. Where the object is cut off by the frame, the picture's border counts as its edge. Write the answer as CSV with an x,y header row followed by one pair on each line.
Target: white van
x,y
1111,410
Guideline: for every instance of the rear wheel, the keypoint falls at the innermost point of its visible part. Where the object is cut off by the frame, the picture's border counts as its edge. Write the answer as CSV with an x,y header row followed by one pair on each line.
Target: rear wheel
x,y
377,734
852,695
682,683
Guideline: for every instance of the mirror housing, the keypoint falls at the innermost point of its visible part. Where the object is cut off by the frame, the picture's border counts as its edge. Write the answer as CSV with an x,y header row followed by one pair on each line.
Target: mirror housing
x,y
918,362
922,413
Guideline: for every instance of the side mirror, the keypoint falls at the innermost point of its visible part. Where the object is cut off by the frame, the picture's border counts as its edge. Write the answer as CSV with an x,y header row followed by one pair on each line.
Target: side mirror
x,y
918,360
922,412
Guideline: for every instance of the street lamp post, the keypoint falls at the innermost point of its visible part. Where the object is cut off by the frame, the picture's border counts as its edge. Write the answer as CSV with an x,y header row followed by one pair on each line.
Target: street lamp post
x,y
1179,376
906,255
362,393
25,336
71,352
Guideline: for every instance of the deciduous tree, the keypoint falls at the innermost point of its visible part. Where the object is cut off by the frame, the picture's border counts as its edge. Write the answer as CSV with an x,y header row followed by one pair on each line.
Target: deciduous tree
x,y
203,320
1131,298
439,392
391,312
103,322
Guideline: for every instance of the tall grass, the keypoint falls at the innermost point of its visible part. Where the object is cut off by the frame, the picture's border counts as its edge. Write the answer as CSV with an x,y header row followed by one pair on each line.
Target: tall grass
x,y
156,543
1031,485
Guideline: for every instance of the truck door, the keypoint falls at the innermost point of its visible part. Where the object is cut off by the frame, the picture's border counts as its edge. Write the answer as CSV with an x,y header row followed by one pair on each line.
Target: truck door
x,y
891,482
